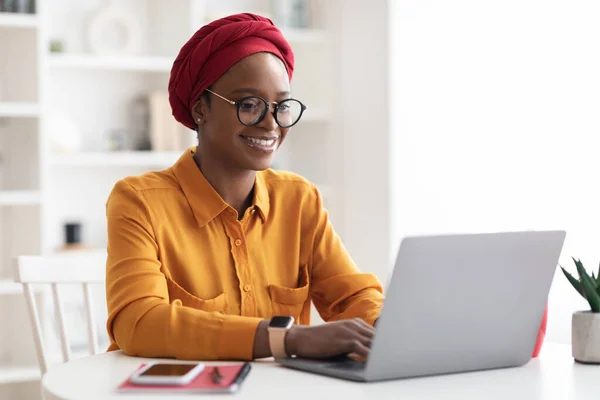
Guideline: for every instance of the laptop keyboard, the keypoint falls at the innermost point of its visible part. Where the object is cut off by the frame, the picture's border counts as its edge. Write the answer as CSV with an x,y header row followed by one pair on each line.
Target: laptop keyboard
x,y
347,364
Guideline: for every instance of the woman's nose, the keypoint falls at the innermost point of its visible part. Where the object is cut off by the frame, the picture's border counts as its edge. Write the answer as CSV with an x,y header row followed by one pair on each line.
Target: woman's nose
x,y
269,123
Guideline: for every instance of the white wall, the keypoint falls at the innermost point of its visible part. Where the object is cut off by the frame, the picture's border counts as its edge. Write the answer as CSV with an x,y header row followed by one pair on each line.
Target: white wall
x,y
363,112
495,124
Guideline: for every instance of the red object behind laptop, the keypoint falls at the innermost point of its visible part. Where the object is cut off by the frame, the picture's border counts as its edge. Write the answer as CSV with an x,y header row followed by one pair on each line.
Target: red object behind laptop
x,y
541,334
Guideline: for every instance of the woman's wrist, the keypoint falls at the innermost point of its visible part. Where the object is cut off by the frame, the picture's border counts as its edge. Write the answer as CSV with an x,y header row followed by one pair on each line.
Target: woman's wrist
x,y
261,348
291,340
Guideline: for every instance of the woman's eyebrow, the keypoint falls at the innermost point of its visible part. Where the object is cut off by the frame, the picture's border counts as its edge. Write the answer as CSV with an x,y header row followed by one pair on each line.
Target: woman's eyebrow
x,y
255,91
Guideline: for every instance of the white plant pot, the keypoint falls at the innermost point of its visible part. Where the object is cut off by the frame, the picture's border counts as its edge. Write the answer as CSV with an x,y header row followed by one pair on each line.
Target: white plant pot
x,y
585,336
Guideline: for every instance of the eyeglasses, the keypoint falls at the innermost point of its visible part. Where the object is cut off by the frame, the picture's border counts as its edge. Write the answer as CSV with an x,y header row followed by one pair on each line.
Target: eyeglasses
x,y
251,110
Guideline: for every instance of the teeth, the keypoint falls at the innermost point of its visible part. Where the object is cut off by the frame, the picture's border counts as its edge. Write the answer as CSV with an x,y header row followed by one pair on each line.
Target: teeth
x,y
262,142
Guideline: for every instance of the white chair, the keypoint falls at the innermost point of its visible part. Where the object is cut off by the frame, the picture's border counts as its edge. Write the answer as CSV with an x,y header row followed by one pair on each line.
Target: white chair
x,y
82,269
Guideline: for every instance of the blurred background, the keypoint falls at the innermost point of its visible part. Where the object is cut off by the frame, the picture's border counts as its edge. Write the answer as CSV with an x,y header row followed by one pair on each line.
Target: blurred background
x,y
424,116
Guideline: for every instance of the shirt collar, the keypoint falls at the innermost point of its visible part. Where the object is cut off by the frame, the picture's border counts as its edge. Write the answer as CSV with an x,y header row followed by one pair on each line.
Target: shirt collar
x,y
261,196
204,200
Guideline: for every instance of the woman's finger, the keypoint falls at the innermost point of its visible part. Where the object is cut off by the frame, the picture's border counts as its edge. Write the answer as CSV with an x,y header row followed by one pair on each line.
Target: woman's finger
x,y
357,347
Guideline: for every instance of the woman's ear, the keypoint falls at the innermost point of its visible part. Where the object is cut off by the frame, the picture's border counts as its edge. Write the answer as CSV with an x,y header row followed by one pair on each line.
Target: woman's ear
x,y
199,111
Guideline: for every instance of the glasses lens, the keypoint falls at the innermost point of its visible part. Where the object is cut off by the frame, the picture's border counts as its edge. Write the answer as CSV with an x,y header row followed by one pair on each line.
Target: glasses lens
x,y
251,110
288,112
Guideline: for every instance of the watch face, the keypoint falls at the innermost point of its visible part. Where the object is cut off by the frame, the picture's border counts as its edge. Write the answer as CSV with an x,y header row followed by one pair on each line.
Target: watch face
x,y
280,322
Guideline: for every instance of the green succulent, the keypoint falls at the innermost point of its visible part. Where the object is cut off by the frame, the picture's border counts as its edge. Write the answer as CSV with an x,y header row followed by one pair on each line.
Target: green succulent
x,y
587,286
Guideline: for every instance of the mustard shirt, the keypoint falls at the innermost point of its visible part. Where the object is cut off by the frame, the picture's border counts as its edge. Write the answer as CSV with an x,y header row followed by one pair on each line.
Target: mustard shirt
x,y
186,279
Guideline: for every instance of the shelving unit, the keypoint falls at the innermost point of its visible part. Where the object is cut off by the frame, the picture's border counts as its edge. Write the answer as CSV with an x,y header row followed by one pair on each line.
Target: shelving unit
x,y
20,194
19,110
8,286
41,188
115,63
19,197
10,374
117,159
11,20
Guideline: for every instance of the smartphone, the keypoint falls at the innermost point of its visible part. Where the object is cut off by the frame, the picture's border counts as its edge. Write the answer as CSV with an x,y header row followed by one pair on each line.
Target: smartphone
x,y
164,373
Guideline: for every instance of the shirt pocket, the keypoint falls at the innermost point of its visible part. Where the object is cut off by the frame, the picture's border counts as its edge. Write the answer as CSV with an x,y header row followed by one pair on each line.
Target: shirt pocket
x,y
180,295
290,301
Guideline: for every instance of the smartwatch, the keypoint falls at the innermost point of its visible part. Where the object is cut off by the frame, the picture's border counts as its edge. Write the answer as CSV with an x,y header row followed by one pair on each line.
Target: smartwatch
x,y
277,329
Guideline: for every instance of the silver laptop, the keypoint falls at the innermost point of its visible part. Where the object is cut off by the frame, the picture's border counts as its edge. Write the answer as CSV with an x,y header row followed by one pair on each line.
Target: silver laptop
x,y
456,303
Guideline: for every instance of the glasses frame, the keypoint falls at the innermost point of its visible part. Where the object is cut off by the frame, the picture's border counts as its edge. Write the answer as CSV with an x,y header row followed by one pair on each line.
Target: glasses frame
x,y
276,106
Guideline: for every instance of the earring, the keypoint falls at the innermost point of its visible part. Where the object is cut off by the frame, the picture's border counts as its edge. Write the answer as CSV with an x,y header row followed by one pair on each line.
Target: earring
x,y
199,120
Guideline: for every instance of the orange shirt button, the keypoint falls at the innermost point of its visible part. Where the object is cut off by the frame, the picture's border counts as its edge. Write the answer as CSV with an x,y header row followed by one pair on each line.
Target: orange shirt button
x,y
247,288
238,242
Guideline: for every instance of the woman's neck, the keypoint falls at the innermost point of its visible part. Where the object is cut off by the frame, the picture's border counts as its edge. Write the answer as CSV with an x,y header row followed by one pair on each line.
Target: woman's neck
x,y
235,187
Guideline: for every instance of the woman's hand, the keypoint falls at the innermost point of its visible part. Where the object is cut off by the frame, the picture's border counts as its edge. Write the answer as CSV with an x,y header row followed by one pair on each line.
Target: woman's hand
x,y
330,339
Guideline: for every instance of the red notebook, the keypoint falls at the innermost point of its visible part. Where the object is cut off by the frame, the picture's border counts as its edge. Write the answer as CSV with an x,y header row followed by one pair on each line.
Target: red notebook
x,y
233,376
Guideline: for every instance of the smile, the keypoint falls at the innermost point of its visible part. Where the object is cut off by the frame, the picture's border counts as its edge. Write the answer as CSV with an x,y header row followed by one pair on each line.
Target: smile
x,y
266,145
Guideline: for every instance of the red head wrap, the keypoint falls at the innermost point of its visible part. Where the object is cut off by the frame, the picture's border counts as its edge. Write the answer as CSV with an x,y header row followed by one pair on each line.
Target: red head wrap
x,y
214,49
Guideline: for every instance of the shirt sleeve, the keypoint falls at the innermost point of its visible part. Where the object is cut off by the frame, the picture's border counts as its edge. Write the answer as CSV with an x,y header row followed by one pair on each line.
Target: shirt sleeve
x,y
339,289
142,320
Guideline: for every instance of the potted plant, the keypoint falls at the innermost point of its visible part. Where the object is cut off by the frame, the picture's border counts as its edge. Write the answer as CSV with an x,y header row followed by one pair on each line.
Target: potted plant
x,y
585,325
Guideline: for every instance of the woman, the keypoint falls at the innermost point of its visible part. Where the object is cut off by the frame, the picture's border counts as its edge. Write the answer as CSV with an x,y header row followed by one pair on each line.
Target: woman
x,y
217,256
204,256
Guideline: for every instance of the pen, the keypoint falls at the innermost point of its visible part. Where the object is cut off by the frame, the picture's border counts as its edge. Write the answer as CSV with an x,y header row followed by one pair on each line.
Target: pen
x,y
242,374
216,375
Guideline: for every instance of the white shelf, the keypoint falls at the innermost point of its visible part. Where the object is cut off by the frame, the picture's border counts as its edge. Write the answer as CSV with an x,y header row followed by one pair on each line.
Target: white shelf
x,y
18,109
155,63
8,286
10,374
16,20
299,36
87,252
116,63
117,159
133,158
19,197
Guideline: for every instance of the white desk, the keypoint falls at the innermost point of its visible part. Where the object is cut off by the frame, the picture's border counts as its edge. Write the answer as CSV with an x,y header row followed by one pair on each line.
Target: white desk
x,y
553,376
